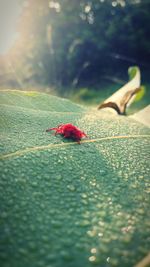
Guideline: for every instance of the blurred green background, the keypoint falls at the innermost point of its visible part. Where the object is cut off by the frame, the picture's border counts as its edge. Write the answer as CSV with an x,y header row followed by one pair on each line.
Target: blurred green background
x,y
79,49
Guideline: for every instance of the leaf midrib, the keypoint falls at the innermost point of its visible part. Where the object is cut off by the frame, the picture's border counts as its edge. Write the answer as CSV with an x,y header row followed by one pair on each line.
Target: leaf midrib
x,y
45,147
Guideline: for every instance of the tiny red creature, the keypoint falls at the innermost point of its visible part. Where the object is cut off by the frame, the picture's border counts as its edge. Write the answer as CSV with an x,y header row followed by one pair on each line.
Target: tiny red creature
x,y
69,131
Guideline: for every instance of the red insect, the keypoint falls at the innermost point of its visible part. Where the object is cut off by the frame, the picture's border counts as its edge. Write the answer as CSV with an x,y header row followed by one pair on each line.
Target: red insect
x,y
69,131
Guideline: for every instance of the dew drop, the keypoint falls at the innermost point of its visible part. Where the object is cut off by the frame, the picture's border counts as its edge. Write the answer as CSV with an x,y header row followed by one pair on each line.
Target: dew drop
x,y
93,250
71,187
92,258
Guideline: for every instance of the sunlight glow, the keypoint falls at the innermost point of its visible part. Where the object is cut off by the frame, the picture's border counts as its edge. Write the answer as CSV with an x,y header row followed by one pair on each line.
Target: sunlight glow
x,y
114,4
55,5
9,13
87,9
118,2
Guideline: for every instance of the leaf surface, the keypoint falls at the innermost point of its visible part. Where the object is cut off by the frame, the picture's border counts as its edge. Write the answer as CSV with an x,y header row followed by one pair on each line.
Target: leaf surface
x,y
64,204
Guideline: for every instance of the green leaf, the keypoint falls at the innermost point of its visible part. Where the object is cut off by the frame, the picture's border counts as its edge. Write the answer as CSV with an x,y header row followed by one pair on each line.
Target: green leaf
x,y
132,72
140,94
64,204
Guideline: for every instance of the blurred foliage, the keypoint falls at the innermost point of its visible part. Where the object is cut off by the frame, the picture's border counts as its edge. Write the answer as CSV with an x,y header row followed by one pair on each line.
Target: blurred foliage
x,y
92,97
84,94
67,43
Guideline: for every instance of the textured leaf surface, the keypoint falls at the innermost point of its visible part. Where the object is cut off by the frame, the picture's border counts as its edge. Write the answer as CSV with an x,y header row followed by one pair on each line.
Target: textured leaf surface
x,y
64,204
